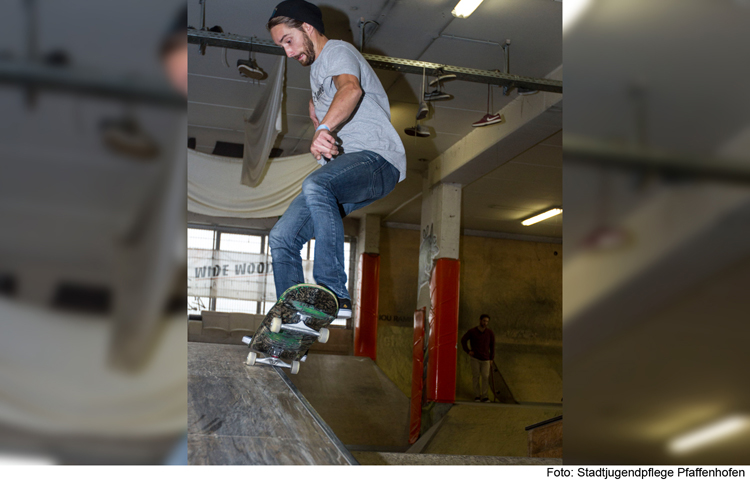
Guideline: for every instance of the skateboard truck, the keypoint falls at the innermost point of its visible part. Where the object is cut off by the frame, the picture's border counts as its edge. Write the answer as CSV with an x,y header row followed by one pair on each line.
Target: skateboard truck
x,y
300,327
252,358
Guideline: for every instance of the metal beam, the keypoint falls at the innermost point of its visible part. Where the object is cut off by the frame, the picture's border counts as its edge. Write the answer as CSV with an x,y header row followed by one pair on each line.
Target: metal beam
x,y
599,153
463,74
37,76
234,41
244,43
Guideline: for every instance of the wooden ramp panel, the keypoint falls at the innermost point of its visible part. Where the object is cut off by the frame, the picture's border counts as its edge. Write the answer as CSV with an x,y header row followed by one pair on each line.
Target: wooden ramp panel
x,y
240,415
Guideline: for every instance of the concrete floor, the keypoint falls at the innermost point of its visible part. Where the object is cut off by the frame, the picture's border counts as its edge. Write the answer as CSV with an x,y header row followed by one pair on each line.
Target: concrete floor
x,y
369,458
488,429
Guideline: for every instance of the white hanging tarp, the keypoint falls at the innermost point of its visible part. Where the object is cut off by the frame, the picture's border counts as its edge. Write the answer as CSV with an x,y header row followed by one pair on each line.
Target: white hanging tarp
x,y
213,189
263,126
58,380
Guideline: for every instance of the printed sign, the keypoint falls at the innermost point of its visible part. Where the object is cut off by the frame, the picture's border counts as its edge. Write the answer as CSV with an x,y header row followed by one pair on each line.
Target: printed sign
x,y
235,275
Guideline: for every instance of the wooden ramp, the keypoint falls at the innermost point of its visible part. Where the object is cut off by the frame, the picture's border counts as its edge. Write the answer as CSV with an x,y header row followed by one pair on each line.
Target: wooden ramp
x,y
363,407
240,415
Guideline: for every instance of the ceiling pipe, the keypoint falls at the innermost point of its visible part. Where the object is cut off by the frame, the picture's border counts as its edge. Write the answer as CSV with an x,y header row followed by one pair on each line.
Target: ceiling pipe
x,y
461,38
203,24
362,25
506,53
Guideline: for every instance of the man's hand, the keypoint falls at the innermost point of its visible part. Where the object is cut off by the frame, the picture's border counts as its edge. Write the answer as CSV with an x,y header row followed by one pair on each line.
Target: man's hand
x,y
348,94
313,117
323,144
471,354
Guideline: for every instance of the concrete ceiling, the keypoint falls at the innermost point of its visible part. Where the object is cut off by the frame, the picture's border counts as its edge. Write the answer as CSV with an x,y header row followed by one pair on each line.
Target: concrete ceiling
x,y
220,98
652,327
59,180
499,200
631,67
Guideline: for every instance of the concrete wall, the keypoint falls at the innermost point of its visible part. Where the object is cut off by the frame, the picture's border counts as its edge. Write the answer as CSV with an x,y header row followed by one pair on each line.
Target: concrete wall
x,y
399,265
518,283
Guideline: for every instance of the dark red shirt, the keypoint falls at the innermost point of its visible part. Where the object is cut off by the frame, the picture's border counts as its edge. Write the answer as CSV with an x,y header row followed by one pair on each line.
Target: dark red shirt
x,y
482,343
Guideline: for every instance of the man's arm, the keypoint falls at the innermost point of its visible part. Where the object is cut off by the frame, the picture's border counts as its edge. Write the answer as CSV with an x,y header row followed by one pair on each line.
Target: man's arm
x,y
348,94
313,116
464,342
492,345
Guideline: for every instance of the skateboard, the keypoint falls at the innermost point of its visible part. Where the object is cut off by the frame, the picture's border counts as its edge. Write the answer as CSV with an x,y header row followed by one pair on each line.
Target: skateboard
x,y
297,320
500,389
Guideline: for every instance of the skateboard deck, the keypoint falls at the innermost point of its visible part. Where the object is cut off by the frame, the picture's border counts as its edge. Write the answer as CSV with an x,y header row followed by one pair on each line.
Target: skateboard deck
x,y
297,320
500,389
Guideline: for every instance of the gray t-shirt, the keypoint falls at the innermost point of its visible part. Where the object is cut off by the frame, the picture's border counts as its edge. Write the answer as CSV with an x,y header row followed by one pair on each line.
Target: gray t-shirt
x,y
369,128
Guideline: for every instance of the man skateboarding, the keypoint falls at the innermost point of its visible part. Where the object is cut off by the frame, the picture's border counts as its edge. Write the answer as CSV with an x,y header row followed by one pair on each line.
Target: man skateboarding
x,y
362,155
479,343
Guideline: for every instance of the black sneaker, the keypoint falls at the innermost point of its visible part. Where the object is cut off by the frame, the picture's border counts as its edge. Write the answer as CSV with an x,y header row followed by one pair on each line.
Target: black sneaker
x,y
345,305
419,131
249,68
476,398
423,111
441,77
437,95
485,400
345,309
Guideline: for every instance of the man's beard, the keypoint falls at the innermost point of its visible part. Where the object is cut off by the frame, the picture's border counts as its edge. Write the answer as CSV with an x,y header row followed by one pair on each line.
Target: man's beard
x,y
309,51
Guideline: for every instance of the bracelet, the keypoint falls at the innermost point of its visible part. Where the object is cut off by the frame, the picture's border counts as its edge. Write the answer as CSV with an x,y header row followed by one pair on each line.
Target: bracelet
x,y
323,126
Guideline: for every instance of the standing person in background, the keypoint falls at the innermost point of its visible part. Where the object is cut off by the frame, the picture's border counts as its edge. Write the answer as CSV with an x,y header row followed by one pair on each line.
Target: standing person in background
x,y
479,343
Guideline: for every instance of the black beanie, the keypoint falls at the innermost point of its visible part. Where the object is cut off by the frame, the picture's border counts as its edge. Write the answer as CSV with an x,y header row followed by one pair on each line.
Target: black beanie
x,y
302,11
176,28
179,23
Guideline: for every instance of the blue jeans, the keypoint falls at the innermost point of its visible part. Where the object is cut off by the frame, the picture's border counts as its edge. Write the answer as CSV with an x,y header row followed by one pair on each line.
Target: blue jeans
x,y
347,183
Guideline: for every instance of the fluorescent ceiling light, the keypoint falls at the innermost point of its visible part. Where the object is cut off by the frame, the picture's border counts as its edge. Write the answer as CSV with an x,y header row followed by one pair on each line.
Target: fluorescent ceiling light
x,y
464,8
709,434
542,217
572,11
12,459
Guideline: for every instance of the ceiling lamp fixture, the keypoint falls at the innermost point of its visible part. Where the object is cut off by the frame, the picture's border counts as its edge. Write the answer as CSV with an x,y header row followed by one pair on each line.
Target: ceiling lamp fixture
x,y
573,11
522,91
709,434
465,8
541,217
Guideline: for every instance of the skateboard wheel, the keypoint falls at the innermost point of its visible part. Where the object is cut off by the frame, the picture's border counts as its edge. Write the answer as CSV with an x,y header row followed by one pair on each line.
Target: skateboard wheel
x,y
251,358
276,325
324,334
295,367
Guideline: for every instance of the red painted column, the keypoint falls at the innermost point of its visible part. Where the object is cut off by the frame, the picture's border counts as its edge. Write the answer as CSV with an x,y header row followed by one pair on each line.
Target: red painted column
x,y
441,360
417,377
366,326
